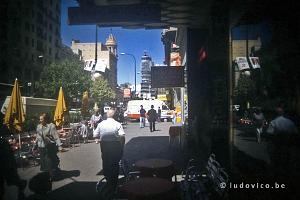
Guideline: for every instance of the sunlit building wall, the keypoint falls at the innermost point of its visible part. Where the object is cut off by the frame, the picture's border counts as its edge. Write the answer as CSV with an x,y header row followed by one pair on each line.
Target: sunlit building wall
x,y
106,54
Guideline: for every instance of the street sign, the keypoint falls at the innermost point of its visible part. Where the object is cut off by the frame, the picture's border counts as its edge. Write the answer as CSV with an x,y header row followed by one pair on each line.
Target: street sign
x,y
254,62
101,65
126,93
242,63
164,77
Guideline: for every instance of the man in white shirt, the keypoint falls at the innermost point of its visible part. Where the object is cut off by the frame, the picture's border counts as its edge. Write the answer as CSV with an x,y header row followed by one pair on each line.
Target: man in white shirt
x,y
282,134
112,139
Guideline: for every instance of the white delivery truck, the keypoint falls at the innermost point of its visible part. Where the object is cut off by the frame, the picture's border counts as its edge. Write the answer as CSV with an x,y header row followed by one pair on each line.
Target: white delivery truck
x,y
134,106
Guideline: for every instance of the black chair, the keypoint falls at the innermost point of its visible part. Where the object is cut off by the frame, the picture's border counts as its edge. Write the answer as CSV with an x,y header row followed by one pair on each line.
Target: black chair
x,y
204,184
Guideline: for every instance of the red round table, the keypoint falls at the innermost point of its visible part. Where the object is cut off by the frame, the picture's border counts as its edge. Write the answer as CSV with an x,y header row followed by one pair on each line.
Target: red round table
x,y
149,188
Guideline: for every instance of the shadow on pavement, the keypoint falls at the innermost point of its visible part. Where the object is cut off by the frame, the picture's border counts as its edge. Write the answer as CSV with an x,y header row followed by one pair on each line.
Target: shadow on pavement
x,y
249,167
140,148
76,191
63,174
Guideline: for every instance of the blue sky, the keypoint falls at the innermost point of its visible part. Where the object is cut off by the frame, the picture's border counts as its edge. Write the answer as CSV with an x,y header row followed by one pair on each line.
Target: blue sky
x,y
134,41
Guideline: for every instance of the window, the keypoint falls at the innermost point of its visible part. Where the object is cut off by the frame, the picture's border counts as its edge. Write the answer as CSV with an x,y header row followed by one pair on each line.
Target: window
x,y
32,28
39,32
39,46
50,26
50,51
39,18
32,42
27,26
164,107
26,55
57,32
50,38
57,8
26,41
32,58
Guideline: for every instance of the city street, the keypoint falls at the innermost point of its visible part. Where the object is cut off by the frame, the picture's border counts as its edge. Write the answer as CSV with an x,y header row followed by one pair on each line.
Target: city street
x,y
246,141
82,165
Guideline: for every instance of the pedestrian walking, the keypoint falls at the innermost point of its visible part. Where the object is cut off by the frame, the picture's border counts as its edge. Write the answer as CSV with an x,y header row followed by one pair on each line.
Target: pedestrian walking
x,y
158,114
174,115
282,134
48,143
112,140
95,120
84,131
142,117
259,121
152,116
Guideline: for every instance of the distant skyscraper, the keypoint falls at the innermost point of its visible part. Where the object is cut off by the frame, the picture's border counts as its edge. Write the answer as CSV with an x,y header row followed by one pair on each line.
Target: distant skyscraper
x,y
146,64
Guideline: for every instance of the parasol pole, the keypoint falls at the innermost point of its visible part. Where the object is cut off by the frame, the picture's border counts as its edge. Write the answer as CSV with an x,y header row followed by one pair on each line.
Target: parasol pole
x,y
20,141
20,146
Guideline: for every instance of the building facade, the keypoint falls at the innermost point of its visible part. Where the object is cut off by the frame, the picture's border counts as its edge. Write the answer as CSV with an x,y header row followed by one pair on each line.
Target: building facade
x,y
240,48
106,57
146,64
30,38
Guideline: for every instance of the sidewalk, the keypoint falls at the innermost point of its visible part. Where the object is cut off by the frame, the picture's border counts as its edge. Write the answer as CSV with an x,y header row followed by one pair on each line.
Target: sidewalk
x,y
82,165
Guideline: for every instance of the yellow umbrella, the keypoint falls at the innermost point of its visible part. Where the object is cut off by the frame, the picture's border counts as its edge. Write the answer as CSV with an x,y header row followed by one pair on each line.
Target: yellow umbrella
x,y
15,115
85,104
60,108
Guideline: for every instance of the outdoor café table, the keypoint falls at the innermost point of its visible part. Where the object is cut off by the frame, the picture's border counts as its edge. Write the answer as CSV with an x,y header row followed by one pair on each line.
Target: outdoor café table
x,y
175,131
162,168
146,188
65,137
67,129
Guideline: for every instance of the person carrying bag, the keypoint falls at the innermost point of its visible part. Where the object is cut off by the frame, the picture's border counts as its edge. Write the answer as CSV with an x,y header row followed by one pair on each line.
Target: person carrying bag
x,y
48,144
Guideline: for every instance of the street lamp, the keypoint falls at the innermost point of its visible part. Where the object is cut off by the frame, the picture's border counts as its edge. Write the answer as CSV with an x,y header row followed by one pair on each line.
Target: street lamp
x,y
95,74
134,69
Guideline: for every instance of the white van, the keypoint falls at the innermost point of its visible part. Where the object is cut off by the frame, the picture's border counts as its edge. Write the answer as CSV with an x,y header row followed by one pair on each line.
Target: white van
x,y
134,106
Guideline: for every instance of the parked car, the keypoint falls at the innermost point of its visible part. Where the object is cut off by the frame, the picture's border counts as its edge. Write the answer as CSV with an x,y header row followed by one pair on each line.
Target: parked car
x,y
246,121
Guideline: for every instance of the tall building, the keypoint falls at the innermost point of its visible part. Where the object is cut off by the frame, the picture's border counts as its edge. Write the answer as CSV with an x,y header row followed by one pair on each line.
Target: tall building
x,y
106,57
146,64
29,39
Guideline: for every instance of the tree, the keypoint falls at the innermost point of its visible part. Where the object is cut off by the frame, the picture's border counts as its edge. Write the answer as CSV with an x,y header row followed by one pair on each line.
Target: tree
x,y
69,74
245,91
102,92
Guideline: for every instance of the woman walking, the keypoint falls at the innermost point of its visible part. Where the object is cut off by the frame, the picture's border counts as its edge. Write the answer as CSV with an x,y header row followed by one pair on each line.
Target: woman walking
x,y
48,143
